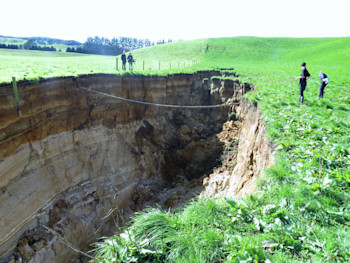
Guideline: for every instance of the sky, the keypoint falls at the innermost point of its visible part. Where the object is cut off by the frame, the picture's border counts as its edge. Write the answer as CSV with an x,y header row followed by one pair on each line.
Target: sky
x,y
174,19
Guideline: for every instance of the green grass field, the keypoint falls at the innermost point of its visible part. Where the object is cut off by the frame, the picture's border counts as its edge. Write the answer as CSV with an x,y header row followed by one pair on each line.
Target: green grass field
x,y
30,64
162,59
301,211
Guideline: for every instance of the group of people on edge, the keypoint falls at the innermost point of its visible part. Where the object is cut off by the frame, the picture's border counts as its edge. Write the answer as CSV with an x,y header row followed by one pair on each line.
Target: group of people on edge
x,y
304,76
130,60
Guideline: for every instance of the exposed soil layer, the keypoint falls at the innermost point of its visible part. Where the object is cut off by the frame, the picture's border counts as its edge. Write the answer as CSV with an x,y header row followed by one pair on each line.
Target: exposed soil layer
x,y
72,159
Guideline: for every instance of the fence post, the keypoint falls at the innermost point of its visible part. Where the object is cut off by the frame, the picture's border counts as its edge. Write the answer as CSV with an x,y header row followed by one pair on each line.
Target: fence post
x,y
15,92
116,61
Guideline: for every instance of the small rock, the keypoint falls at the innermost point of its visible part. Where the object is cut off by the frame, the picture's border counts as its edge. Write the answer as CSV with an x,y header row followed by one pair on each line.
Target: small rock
x,y
170,202
206,181
39,245
26,251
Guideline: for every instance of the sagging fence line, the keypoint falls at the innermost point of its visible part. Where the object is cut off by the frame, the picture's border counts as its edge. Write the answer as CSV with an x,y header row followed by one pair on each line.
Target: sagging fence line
x,y
157,66
16,97
159,104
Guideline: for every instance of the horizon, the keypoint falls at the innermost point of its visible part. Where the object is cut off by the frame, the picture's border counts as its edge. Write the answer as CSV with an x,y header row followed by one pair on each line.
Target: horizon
x,y
174,40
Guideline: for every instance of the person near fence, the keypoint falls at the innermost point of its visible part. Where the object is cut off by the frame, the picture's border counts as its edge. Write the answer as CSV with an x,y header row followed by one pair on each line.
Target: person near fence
x,y
131,61
304,76
324,82
123,60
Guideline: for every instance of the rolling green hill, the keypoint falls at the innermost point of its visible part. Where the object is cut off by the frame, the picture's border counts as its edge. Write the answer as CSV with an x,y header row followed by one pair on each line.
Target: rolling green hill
x,y
331,55
35,64
302,210
31,64
11,40
59,44
242,53
45,41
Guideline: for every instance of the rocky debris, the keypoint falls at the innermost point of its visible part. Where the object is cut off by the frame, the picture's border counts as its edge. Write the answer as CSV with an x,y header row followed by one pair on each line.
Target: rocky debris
x,y
31,242
252,152
214,185
218,180
176,195
146,192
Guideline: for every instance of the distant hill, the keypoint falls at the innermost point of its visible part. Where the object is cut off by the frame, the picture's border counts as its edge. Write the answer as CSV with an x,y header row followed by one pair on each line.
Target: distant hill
x,y
39,40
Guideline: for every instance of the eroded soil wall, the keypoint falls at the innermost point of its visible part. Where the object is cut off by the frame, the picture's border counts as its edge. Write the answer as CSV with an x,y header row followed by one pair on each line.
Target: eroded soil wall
x,y
73,158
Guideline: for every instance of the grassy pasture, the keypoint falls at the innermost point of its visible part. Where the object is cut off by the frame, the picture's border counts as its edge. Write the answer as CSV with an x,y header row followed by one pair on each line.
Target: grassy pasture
x,y
28,64
301,212
31,64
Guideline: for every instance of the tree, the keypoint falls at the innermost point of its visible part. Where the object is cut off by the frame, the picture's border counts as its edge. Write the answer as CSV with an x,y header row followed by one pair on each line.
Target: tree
x,y
30,44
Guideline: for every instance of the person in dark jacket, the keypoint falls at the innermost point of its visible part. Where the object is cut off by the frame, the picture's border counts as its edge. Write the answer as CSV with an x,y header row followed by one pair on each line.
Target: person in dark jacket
x,y
324,82
123,60
304,76
131,61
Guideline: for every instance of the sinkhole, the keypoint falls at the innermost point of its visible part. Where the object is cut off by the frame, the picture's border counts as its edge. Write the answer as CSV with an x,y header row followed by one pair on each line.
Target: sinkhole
x,y
78,150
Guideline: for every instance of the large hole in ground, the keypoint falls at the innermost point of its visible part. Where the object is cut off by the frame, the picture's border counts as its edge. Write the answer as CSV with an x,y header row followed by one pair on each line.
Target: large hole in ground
x,y
72,159
204,141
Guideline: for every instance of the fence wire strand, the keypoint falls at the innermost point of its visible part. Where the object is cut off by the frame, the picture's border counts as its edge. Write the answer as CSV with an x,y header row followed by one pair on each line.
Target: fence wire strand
x,y
136,101
158,104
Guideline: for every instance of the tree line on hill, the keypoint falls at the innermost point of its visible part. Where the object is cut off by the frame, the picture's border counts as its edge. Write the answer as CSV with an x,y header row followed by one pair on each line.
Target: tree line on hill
x,y
29,45
115,46
93,45
50,41
9,46
32,45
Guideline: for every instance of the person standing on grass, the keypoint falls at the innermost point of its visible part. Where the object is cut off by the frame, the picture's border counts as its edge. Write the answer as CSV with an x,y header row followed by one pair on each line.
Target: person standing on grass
x,y
324,82
123,60
131,61
304,76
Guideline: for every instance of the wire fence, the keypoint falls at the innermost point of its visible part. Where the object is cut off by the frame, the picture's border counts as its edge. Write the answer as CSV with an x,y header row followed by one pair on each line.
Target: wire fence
x,y
159,104
153,65
139,65
15,86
